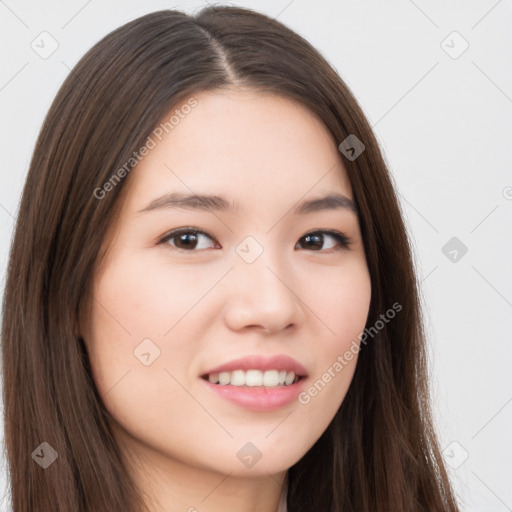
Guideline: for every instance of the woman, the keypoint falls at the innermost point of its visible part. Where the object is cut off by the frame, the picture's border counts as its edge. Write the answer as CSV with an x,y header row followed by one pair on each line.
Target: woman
x,y
211,302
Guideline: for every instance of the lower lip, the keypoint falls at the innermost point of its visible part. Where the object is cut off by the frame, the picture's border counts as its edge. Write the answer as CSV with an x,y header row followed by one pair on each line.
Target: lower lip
x,y
258,398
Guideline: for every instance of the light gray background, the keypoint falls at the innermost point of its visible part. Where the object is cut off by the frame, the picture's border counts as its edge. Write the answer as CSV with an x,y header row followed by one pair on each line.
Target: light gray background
x,y
445,126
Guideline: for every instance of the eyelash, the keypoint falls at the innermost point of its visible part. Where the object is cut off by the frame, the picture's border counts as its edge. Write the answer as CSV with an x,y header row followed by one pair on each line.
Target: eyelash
x,y
343,240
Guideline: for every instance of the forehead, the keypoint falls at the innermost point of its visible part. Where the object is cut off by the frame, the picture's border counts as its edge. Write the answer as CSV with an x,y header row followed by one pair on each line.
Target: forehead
x,y
243,144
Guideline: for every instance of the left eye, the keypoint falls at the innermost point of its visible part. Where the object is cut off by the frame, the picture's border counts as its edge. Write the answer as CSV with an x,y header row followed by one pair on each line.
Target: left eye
x,y
192,240
188,240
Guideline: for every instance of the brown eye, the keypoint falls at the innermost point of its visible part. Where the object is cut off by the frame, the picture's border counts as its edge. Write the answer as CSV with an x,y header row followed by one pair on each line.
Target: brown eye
x,y
189,240
315,241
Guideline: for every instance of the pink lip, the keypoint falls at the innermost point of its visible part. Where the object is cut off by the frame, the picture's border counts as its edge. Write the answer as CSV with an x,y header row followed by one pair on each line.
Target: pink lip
x,y
279,362
259,398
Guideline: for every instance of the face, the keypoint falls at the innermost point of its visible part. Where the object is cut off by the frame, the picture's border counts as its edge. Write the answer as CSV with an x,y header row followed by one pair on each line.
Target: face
x,y
253,287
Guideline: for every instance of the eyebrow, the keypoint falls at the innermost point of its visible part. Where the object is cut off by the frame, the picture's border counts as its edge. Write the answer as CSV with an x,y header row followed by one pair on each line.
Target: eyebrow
x,y
212,203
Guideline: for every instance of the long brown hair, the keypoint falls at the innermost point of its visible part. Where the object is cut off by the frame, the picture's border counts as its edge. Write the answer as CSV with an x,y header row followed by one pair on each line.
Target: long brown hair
x,y
380,452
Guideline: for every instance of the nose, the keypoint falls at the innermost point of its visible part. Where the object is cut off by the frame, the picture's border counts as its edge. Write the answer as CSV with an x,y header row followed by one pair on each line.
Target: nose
x,y
262,295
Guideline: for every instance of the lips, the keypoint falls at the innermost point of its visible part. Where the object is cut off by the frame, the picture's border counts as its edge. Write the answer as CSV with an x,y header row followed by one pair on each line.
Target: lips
x,y
257,383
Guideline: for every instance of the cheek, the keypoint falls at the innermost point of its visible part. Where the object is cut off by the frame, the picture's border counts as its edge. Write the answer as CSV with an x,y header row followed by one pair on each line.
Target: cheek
x,y
138,297
143,313
342,300
130,313
129,316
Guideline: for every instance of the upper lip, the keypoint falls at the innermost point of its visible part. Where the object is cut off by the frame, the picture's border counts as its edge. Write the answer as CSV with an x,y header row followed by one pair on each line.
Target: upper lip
x,y
258,362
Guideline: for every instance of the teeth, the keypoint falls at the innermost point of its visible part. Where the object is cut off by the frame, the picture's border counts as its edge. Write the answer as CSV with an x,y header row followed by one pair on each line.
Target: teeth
x,y
224,378
213,378
290,376
254,378
271,379
251,378
237,378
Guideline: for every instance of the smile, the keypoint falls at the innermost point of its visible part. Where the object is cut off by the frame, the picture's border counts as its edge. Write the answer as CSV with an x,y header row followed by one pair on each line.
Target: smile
x,y
257,383
254,378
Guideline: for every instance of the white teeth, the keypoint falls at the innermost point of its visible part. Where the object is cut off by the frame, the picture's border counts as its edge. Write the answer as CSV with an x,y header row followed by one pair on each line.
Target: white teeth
x,y
237,378
289,378
271,378
251,378
224,378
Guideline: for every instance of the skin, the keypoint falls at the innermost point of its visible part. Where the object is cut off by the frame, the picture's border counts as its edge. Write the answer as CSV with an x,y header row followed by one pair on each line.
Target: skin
x,y
207,306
